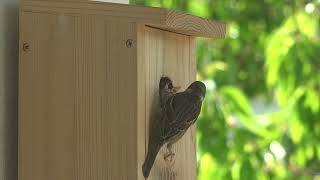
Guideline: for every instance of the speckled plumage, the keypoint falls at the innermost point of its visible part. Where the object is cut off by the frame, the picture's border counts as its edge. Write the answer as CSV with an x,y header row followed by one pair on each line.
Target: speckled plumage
x,y
176,113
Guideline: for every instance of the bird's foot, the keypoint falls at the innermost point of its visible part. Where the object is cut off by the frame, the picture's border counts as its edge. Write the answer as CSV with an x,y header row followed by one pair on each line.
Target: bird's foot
x,y
169,156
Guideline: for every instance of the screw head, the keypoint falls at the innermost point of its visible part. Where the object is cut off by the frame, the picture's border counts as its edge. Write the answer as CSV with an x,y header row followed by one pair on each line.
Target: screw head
x,y
25,47
129,43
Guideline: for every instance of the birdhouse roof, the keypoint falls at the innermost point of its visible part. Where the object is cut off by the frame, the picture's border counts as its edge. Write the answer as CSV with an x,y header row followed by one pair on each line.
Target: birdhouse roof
x,y
161,18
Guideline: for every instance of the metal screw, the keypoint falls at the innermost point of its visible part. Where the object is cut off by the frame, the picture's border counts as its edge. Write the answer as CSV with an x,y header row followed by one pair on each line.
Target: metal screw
x,y
25,47
129,43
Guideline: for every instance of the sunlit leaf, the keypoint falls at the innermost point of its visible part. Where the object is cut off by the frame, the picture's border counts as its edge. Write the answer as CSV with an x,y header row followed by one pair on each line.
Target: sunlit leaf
x,y
312,100
296,130
307,24
277,48
167,3
199,8
238,99
299,157
318,150
207,165
214,67
236,167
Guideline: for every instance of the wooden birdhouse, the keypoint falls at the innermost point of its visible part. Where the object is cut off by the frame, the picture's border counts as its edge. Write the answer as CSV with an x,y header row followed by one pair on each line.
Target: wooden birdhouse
x,y
88,81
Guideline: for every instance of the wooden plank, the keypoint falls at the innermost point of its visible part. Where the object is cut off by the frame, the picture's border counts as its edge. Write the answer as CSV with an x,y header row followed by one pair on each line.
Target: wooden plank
x,y
193,25
113,1
142,91
77,99
46,97
168,54
105,98
161,18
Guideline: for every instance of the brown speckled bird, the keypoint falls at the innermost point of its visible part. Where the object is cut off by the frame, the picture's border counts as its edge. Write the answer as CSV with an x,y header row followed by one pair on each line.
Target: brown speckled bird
x,y
177,112
166,89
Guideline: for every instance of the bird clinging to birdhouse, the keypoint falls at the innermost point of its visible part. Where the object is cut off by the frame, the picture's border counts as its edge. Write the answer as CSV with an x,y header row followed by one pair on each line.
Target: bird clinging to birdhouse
x,y
176,113
166,90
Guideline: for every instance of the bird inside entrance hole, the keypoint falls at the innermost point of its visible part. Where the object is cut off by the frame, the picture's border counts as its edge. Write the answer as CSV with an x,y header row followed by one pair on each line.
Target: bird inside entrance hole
x,y
176,112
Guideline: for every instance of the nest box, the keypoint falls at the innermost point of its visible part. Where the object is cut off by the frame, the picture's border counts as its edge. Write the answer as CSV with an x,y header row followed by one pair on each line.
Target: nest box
x,y
88,80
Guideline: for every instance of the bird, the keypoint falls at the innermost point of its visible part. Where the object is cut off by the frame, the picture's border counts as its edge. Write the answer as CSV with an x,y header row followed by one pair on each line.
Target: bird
x,y
166,89
176,113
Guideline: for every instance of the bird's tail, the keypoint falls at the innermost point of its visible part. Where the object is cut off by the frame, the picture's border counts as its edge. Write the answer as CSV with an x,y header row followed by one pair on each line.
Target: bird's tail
x,y
151,156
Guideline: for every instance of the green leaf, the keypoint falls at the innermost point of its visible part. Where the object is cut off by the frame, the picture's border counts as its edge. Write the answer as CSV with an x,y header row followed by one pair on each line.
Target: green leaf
x,y
297,129
307,24
312,100
199,8
237,98
247,171
207,166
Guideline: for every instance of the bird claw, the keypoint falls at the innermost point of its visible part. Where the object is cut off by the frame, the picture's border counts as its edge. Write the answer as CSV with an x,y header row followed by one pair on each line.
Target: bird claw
x,y
169,156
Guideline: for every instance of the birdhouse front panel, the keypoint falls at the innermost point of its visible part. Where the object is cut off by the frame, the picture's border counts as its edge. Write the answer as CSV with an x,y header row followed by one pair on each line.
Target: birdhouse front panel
x,y
163,53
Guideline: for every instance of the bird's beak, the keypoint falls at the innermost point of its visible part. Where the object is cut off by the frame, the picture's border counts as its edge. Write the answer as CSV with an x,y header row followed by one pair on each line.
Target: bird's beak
x,y
201,98
176,88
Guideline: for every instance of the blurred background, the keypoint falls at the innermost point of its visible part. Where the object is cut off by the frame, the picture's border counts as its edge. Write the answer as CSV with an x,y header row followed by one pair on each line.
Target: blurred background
x,y
261,116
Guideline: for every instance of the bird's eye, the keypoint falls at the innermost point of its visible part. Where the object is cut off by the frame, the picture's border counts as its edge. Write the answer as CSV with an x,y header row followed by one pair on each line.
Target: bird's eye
x,y
170,86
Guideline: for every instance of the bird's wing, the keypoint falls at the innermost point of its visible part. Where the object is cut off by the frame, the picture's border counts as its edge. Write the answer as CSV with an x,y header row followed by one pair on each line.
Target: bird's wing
x,y
185,111
157,126
181,114
164,96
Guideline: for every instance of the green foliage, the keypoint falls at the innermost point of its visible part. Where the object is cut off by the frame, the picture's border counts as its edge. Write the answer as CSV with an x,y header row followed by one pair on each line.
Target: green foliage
x,y
261,115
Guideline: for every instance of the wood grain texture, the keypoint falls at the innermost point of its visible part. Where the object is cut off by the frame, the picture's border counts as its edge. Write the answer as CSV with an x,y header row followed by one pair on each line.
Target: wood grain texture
x,y
106,101
46,98
167,54
77,99
196,26
161,18
86,99
113,1
142,89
